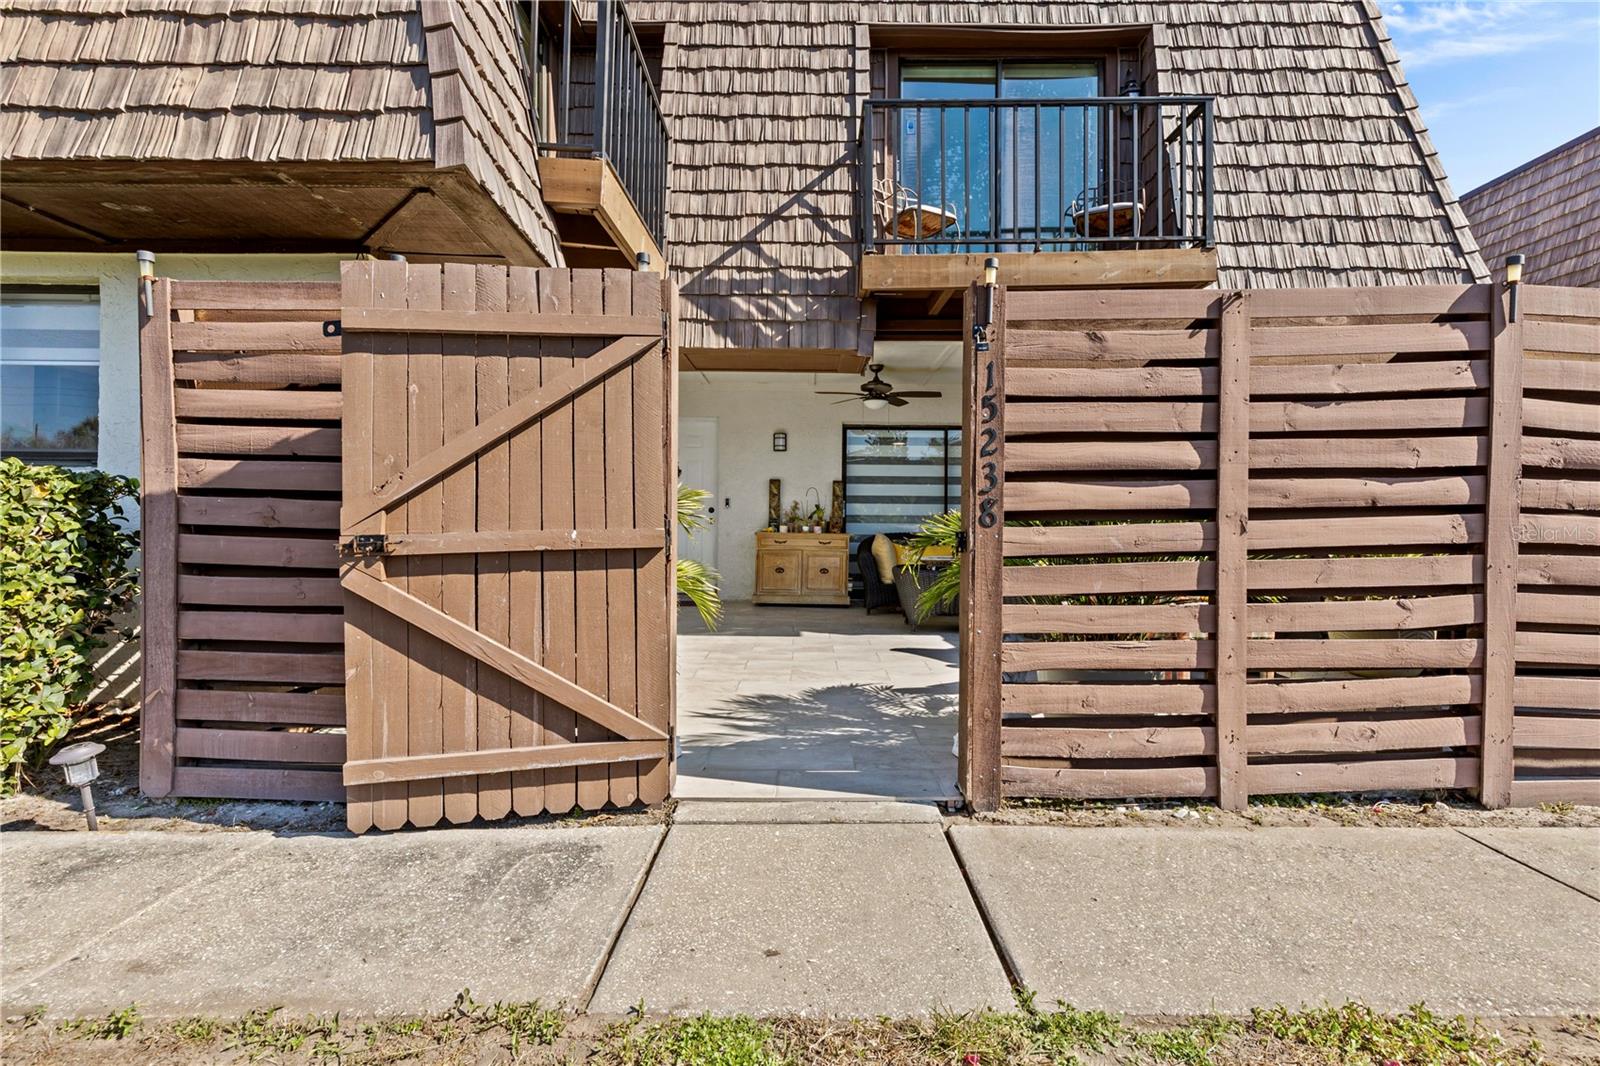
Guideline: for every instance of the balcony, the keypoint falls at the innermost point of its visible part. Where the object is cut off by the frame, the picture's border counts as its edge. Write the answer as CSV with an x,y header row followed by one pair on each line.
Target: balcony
x,y
605,174
1066,192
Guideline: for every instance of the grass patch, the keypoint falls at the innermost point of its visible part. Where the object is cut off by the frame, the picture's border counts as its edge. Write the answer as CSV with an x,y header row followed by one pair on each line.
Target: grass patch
x,y
1359,1036
703,1040
117,1025
261,1033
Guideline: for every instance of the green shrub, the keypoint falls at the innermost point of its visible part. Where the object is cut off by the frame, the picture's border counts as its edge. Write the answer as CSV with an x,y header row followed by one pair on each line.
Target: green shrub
x,y
64,573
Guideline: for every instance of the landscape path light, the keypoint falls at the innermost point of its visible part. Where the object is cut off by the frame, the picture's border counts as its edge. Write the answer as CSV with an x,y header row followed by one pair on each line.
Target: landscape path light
x,y
77,762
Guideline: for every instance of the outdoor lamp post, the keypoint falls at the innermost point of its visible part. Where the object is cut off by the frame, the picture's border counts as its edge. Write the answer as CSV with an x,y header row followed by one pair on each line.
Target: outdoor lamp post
x,y
77,762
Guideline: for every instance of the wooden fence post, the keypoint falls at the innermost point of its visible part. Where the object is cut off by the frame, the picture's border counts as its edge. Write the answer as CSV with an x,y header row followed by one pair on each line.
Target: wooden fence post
x,y
158,538
983,518
1233,545
1501,515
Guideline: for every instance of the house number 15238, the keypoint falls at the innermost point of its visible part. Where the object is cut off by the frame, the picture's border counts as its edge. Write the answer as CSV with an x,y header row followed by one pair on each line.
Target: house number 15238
x,y
988,447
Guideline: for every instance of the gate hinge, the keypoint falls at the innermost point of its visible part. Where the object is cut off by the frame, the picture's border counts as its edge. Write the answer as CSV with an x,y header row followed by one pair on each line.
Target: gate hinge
x,y
366,544
961,541
333,327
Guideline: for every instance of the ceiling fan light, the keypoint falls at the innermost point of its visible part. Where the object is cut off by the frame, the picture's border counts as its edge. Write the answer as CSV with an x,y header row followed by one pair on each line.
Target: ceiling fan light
x,y
874,403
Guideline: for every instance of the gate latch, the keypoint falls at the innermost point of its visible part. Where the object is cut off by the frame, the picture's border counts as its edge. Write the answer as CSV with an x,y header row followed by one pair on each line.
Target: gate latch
x,y
333,327
367,544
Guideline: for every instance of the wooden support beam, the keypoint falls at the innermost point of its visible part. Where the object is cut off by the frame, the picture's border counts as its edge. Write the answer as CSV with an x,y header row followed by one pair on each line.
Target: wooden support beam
x,y
591,187
1501,511
1233,547
983,516
937,304
1179,268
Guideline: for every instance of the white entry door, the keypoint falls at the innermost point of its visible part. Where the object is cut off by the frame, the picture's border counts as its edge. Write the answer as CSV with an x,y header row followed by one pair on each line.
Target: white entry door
x,y
697,469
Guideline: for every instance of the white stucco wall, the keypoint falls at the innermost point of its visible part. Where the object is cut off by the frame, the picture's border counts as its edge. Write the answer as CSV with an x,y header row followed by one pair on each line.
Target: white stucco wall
x,y
117,276
749,407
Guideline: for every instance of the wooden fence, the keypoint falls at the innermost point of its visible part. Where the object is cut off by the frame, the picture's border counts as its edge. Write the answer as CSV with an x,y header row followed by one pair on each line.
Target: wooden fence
x,y
1245,542
243,614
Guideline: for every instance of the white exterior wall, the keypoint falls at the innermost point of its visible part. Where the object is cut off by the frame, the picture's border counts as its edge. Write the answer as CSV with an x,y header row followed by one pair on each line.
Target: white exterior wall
x,y
117,276
749,407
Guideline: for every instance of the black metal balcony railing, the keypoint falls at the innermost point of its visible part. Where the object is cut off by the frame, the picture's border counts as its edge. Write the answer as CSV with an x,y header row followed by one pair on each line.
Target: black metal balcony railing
x,y
1036,175
622,122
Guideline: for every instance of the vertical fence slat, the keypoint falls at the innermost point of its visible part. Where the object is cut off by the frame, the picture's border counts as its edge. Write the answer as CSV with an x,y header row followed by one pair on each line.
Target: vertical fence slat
x,y
1233,515
983,516
158,508
1500,551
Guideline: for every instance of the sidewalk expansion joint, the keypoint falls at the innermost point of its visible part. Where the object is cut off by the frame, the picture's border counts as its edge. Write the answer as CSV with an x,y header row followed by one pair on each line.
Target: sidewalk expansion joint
x,y
1007,963
1521,862
604,962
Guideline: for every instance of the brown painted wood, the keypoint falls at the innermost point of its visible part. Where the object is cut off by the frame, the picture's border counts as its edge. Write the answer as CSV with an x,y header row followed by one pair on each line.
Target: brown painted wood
x,y
360,620
1557,731
515,542
1108,699
1500,556
199,438
655,406
1582,571
259,591
1363,694
259,512
1121,742
158,505
1360,737
265,708
1564,453
983,509
277,368
1561,375
265,405
274,626
1562,416
252,336
1074,783
577,323
497,761
1364,776
304,668
250,744
1235,495
227,550
258,475
301,296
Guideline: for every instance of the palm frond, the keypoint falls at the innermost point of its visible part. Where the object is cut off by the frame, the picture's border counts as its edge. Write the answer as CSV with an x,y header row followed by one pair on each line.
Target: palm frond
x,y
698,584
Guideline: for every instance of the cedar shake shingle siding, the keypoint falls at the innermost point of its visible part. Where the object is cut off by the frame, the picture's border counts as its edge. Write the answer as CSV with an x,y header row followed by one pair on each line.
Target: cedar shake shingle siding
x,y
1324,173
1548,209
274,81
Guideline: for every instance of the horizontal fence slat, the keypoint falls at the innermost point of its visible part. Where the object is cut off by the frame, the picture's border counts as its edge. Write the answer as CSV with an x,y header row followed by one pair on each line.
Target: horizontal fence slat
x,y
1111,305
202,437
258,512
1107,699
559,540
1075,783
1362,694
1549,494
215,549
1334,654
497,322
1557,693
1344,379
1553,608
1086,742
1355,737
1423,612
1108,655
1574,570
1109,416
1567,732
1579,338
284,667
1025,346
281,405
258,745
1561,415
1330,340
265,708
1442,412
1387,300
1023,457
261,591
258,783
279,368
1108,382
1562,453
1362,453
1532,791
1559,649
302,336
288,627
256,295
1269,575
1564,375
1095,618
1363,776
258,475
1561,300
1087,578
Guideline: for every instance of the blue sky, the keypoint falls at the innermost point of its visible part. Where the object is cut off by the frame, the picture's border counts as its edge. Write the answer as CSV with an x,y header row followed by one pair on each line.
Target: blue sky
x,y
1499,81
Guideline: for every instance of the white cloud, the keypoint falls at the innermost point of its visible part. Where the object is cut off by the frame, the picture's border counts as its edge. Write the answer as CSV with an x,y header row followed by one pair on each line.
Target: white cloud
x,y
1442,31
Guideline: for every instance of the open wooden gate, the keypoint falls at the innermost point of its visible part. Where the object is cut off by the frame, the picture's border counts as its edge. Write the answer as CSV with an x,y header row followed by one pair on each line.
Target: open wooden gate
x,y
506,537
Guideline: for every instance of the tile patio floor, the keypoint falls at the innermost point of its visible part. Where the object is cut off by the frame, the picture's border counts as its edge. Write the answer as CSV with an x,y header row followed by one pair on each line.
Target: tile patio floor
x,y
815,703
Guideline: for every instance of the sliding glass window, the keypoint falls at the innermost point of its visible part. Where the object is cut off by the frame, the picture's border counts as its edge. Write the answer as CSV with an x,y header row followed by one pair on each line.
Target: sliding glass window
x,y
896,476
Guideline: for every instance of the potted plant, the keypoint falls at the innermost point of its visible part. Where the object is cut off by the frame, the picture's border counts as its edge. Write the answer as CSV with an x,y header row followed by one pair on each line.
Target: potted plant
x,y
791,518
816,518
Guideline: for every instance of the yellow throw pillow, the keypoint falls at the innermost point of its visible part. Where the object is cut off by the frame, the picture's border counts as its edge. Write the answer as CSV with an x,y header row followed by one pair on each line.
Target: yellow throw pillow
x,y
935,554
883,554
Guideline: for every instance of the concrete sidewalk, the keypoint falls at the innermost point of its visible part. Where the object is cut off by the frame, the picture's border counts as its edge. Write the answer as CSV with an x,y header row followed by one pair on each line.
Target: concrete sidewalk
x,y
860,910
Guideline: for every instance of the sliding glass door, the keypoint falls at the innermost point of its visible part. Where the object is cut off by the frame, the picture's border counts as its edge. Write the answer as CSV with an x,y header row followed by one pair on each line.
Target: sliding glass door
x,y
1000,168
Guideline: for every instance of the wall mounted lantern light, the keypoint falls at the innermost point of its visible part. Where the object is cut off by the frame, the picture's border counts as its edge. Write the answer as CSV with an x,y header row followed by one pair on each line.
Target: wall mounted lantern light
x,y
780,441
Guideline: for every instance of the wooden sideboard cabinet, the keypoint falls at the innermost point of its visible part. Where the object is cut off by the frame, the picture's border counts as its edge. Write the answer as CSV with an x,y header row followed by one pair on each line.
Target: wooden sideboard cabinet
x,y
803,568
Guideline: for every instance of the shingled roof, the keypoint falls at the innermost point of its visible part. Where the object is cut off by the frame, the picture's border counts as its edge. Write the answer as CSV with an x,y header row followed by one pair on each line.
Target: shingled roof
x,y
274,81
1548,209
1325,174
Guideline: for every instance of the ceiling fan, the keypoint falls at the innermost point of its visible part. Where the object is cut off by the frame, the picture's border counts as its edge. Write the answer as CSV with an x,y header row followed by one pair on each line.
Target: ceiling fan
x,y
877,394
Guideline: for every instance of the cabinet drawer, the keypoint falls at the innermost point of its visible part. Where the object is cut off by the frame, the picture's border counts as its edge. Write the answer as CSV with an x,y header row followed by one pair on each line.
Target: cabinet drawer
x,y
825,571
778,570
